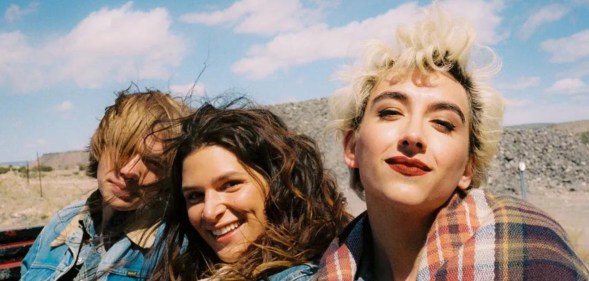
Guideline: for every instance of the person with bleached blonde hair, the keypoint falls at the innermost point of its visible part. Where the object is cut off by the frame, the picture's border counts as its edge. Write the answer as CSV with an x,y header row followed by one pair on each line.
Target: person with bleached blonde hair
x,y
420,127
111,235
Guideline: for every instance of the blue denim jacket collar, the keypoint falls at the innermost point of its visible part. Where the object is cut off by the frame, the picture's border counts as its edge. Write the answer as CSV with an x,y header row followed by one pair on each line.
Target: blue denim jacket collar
x,y
143,237
57,247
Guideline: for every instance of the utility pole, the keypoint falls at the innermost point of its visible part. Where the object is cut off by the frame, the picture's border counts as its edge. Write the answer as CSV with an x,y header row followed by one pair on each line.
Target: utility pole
x,y
27,173
522,180
39,173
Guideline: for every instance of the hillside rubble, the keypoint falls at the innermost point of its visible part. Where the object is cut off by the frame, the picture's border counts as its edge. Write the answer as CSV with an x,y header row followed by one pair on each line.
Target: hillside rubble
x,y
555,160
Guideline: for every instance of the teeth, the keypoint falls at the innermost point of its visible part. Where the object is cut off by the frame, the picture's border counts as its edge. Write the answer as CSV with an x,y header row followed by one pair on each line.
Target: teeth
x,y
219,232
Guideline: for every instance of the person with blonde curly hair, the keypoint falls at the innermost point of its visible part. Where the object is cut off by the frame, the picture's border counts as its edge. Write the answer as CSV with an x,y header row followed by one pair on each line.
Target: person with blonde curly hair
x,y
420,127
251,198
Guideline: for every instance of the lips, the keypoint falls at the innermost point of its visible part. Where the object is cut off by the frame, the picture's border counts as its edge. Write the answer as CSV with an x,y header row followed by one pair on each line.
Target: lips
x,y
121,190
408,166
224,230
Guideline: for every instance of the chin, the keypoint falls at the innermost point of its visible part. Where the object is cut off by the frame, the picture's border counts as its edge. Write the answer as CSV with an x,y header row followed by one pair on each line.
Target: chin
x,y
122,206
233,256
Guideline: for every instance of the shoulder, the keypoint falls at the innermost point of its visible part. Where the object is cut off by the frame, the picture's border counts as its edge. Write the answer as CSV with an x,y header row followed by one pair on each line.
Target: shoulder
x,y
300,272
511,217
62,219
525,235
509,210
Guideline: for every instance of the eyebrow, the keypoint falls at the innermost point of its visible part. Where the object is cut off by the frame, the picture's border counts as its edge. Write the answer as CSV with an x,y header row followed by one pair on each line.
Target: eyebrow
x,y
448,106
215,181
402,97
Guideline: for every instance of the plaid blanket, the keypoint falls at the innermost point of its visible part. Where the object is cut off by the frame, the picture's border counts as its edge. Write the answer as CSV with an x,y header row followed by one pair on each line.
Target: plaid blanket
x,y
477,236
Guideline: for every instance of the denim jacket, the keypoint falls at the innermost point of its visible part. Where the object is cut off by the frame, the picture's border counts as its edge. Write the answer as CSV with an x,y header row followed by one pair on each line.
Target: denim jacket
x,y
301,272
58,246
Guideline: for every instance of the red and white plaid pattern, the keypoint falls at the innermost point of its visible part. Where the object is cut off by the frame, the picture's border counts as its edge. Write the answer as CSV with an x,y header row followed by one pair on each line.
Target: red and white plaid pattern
x,y
477,236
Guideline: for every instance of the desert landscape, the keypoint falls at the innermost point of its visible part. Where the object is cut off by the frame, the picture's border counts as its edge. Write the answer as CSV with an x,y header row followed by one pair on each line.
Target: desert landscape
x,y
556,158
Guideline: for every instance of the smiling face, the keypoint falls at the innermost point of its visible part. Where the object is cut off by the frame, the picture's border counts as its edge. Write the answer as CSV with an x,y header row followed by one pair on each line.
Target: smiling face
x,y
225,201
411,148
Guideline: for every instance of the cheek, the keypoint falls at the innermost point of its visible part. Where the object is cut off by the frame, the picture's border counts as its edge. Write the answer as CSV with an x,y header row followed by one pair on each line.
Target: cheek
x,y
452,155
150,177
194,215
252,198
374,140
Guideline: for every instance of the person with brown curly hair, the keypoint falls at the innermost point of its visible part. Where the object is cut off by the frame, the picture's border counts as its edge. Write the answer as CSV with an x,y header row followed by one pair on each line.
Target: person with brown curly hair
x,y
251,197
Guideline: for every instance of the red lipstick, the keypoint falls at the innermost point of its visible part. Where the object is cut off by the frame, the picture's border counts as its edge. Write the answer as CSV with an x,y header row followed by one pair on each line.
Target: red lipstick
x,y
408,166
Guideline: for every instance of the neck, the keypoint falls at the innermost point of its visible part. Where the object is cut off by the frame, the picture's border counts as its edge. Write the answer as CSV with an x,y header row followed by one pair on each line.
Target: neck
x,y
398,235
107,214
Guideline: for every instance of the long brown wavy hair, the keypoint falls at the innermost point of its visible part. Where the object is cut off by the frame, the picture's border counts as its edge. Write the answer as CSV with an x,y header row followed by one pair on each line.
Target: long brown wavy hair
x,y
304,208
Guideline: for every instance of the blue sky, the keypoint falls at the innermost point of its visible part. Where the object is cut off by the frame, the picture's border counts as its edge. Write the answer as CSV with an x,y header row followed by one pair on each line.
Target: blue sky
x,y
62,61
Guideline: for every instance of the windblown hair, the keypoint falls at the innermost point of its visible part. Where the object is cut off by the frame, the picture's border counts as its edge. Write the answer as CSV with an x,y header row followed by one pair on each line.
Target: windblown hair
x,y
128,128
304,208
126,125
438,43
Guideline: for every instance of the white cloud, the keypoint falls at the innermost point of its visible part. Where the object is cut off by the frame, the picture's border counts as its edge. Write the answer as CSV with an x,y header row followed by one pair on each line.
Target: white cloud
x,y
484,16
546,14
189,89
262,17
108,45
323,42
64,106
521,83
569,86
553,112
578,69
568,49
17,62
15,12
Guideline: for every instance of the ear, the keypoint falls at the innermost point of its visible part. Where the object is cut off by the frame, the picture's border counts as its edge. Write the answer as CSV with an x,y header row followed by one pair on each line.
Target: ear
x,y
350,149
466,178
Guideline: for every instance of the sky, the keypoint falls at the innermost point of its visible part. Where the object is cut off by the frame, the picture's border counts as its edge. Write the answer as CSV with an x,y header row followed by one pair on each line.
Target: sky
x,y
61,62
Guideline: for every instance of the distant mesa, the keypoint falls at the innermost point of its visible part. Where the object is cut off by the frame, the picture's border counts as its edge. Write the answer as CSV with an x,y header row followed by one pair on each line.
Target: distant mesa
x,y
63,160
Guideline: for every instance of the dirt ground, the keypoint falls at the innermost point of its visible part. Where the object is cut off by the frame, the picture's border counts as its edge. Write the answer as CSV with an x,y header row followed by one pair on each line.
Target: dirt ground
x,y
25,204
21,203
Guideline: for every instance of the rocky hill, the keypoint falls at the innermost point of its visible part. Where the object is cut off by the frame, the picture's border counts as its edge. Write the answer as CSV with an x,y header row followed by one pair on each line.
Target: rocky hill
x,y
63,160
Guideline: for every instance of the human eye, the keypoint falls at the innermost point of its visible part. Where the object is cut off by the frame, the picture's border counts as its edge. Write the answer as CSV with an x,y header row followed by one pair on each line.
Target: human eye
x,y
389,113
193,197
232,184
153,163
443,125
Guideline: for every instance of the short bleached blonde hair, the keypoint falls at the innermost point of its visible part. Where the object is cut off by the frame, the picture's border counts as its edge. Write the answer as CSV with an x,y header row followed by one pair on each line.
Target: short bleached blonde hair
x,y
438,43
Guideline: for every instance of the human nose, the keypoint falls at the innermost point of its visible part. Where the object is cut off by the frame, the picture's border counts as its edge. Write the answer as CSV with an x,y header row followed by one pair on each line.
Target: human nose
x,y
214,207
412,140
131,169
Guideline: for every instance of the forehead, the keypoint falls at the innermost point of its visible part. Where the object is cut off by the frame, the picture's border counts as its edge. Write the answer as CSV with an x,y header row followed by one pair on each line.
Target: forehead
x,y
434,86
152,144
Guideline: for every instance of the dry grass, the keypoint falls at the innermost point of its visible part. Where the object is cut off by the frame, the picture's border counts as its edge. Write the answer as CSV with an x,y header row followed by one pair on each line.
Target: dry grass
x,y
22,204
576,237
